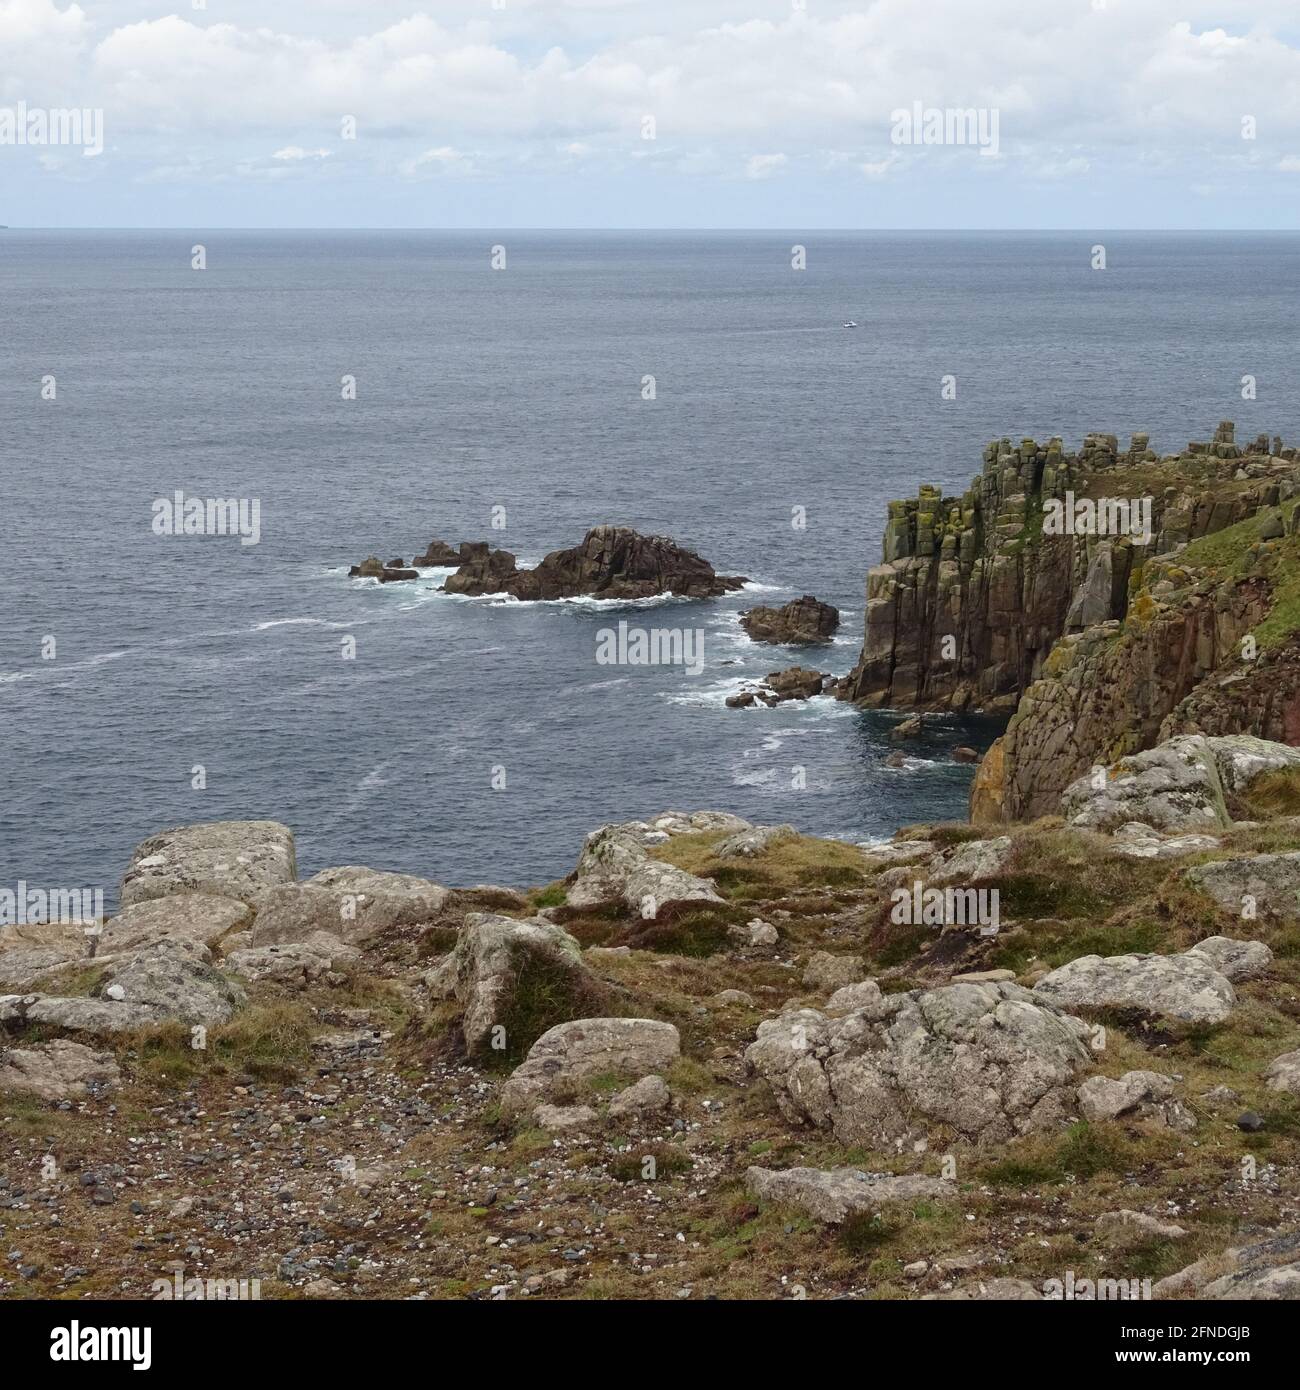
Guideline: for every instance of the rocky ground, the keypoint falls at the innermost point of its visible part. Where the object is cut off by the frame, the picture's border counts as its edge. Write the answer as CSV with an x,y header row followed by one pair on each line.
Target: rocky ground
x,y
717,1061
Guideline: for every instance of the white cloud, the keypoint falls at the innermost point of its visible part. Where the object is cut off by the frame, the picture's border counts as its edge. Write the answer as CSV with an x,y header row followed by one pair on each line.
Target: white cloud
x,y
763,166
443,160
544,82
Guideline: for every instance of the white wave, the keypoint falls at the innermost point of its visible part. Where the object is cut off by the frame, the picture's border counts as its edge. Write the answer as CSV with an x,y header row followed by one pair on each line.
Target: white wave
x,y
61,668
297,622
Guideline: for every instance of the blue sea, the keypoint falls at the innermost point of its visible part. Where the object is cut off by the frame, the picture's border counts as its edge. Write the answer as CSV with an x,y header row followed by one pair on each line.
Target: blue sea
x,y
522,389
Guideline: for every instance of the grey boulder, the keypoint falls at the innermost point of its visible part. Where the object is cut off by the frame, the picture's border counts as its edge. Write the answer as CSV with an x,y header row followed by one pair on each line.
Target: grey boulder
x,y
236,859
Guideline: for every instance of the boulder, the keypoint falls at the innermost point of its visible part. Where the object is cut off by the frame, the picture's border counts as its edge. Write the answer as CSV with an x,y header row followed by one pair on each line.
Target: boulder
x,y
1267,1270
1175,786
834,1194
57,1070
1284,1073
294,912
986,1061
235,859
801,621
756,933
176,980
972,862
824,971
201,917
755,840
1238,960
1146,1096
555,1119
576,1051
295,962
615,864
1241,758
645,1097
1126,1228
1187,986
513,975
23,967
372,900
1138,841
896,852
352,902
1271,883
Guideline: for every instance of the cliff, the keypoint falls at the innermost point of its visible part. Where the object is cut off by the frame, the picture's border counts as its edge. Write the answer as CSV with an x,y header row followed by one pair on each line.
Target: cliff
x,y
1102,596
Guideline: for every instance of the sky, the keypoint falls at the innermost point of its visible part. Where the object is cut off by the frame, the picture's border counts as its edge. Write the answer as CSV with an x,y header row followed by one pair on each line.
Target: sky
x,y
653,113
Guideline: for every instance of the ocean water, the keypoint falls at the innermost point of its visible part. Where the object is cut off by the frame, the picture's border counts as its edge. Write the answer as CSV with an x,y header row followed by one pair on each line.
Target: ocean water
x,y
522,389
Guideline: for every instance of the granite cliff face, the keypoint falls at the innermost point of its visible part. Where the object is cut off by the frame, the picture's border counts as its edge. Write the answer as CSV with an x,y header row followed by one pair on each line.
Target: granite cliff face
x,y
1105,597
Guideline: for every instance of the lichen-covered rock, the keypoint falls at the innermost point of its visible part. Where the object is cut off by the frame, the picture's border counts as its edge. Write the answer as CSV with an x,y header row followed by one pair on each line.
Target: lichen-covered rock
x,y
24,967
1238,960
1147,1096
615,864
755,840
201,917
1124,1228
1267,1270
825,971
1269,884
573,1052
971,862
1284,1073
294,912
372,900
1187,986
292,962
176,980
1175,786
235,859
57,1070
645,1097
986,1061
1138,841
516,978
834,1194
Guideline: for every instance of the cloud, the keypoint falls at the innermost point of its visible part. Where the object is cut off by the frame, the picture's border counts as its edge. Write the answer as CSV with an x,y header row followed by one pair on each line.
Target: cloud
x,y
542,84
443,160
763,166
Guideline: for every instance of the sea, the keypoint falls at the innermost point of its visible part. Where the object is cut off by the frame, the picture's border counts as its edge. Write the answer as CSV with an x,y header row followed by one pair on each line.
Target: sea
x,y
370,391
